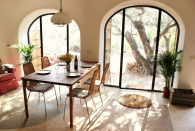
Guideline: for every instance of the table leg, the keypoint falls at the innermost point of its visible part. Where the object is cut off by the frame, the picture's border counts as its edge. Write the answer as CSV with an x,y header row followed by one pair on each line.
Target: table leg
x,y
71,106
25,98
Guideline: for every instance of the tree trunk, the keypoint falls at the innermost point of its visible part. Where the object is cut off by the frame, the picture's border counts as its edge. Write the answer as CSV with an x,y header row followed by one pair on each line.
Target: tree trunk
x,y
147,66
167,40
145,41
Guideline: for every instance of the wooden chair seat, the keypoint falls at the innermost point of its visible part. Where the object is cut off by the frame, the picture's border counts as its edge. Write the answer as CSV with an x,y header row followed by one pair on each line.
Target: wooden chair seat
x,y
79,93
36,86
83,94
46,63
88,82
98,82
41,87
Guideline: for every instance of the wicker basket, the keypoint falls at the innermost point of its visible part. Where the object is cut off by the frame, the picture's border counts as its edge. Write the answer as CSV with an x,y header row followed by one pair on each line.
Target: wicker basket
x,y
182,97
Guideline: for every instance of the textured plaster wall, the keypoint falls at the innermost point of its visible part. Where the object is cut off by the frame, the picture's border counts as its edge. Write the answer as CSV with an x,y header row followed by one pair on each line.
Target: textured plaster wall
x,y
90,16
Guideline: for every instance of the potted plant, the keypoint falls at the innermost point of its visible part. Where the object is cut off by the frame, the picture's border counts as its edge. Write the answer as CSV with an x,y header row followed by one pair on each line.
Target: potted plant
x,y
168,63
25,52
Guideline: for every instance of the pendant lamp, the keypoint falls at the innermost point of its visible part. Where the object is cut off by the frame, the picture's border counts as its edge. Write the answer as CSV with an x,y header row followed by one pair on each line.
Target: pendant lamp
x,y
61,18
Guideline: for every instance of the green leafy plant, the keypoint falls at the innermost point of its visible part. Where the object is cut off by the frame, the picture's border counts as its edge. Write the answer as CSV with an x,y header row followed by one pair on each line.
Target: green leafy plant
x,y
25,52
168,63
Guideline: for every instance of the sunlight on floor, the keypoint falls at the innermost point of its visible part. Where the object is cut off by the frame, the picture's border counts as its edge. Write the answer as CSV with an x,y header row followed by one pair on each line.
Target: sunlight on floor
x,y
110,116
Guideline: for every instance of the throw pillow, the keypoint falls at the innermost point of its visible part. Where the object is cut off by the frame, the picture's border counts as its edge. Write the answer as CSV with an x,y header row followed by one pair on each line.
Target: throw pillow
x,y
2,71
4,67
9,65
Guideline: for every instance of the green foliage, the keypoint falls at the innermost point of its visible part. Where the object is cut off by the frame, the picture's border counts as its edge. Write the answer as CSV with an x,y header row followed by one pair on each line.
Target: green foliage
x,y
168,63
172,44
25,52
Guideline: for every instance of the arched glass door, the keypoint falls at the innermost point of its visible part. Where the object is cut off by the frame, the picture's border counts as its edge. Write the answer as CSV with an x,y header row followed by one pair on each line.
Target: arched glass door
x,y
133,36
51,40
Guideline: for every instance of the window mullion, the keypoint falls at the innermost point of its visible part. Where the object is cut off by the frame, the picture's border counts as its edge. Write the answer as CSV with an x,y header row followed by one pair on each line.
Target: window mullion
x,y
67,35
122,48
157,44
41,36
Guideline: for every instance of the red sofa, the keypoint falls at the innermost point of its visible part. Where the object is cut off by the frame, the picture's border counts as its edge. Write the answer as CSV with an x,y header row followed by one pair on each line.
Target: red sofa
x,y
8,81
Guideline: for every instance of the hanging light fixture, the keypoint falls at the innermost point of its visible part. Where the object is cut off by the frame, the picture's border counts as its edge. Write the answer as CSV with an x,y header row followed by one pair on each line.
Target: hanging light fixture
x,y
61,18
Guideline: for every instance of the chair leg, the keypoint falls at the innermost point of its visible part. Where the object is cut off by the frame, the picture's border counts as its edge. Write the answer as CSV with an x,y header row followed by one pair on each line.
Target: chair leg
x,y
81,88
94,103
29,95
56,95
60,92
45,105
65,107
87,110
101,97
39,97
105,92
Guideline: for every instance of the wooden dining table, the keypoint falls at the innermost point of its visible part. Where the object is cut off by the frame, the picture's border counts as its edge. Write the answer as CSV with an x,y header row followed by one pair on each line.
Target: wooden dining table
x,y
59,78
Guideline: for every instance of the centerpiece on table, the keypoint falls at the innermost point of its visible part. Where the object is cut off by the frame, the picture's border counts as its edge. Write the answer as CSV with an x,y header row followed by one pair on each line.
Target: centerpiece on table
x,y
66,58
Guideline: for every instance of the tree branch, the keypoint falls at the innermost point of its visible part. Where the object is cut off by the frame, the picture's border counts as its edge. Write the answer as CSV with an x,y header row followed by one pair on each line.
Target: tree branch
x,y
161,34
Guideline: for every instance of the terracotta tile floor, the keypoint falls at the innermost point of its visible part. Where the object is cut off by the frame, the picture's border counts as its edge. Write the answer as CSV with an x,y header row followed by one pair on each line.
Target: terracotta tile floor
x,y
161,116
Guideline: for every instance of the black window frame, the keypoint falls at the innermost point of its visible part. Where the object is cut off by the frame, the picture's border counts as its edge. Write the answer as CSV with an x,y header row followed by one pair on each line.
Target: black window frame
x,y
41,34
122,44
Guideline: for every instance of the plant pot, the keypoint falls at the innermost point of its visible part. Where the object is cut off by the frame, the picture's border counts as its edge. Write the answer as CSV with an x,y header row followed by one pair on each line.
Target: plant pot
x,y
166,92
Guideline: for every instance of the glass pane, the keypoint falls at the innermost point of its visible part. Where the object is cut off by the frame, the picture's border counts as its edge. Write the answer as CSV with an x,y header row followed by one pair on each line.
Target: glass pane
x,y
54,39
34,34
168,40
37,63
139,46
74,39
113,48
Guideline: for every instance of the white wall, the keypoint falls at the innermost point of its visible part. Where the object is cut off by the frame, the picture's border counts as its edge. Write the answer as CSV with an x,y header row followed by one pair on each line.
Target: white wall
x,y
90,16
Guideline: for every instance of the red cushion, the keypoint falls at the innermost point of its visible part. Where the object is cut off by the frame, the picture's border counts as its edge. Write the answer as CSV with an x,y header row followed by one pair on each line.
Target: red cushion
x,y
8,85
7,76
0,60
12,70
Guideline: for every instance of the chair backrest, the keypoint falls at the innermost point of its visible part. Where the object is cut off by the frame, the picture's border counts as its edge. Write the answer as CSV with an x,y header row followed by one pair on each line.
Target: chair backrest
x,y
105,72
45,62
92,85
28,69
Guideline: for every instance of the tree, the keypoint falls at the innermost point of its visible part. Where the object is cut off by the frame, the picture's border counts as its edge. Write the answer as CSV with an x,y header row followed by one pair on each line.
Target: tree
x,y
138,19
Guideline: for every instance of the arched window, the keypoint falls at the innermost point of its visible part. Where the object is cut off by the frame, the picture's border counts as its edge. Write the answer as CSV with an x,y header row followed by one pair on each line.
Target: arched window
x,y
133,35
51,40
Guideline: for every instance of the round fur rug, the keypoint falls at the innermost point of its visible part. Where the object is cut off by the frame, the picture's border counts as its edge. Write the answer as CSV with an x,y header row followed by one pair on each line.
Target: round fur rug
x,y
134,101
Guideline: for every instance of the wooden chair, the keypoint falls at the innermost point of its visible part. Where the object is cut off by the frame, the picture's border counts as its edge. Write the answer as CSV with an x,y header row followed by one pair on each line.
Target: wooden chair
x,y
46,63
83,94
98,83
36,86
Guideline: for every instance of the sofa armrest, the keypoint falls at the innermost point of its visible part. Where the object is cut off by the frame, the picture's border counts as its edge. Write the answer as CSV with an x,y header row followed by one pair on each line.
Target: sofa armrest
x,y
12,70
